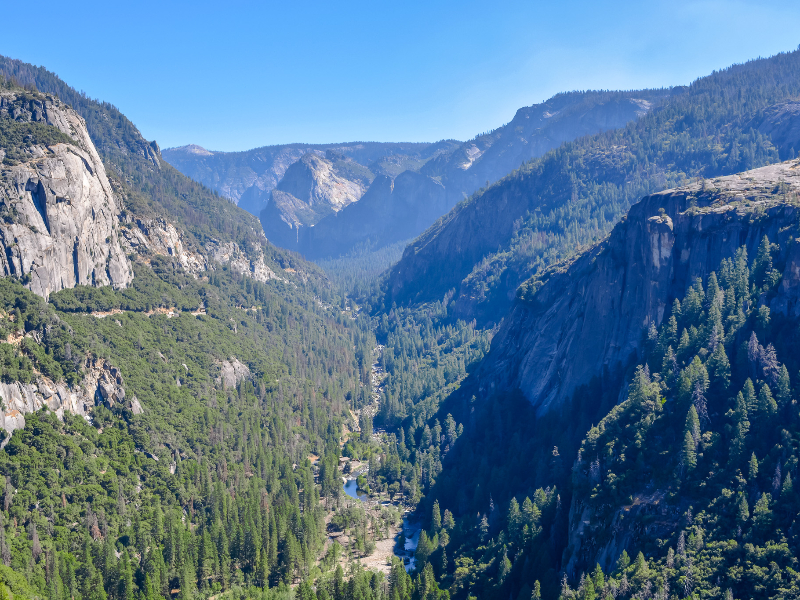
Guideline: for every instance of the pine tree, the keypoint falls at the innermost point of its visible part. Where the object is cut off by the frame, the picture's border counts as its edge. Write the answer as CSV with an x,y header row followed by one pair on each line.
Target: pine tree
x,y
719,367
126,587
483,529
787,489
95,590
262,569
753,468
742,427
699,404
749,393
762,263
743,510
187,581
766,407
689,455
537,591
784,389
505,566
436,517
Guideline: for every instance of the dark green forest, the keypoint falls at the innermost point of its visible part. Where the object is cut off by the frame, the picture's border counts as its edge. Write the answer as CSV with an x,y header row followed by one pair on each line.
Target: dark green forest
x,y
234,490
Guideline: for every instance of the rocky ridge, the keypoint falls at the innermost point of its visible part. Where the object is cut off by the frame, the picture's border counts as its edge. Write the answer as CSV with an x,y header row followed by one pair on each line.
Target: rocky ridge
x,y
248,177
532,132
306,209
145,237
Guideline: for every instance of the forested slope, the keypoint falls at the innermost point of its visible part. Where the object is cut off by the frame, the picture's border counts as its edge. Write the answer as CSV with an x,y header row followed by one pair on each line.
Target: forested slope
x,y
552,207
689,455
157,437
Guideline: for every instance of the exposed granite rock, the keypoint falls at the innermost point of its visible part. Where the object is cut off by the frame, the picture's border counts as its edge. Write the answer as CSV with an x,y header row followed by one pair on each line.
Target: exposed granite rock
x,y
311,189
59,215
247,178
318,183
102,384
241,262
158,236
390,211
231,372
532,132
590,317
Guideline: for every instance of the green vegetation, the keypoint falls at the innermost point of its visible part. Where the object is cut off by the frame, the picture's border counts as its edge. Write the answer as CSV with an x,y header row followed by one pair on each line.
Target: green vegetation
x,y
230,489
711,423
208,490
557,205
14,137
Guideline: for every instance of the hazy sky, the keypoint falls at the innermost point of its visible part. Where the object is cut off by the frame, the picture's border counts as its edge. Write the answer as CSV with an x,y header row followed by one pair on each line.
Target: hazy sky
x,y
235,75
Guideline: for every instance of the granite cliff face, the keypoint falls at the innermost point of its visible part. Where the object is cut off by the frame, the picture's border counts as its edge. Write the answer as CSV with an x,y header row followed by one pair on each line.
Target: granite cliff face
x,y
590,318
59,214
319,184
390,211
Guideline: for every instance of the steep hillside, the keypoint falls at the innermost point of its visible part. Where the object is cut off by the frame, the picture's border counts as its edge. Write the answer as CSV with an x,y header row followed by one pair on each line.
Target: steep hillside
x,y
571,197
532,132
695,468
588,318
146,425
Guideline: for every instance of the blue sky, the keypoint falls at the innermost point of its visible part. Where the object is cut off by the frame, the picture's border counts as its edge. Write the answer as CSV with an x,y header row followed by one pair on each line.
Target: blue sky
x,y
235,75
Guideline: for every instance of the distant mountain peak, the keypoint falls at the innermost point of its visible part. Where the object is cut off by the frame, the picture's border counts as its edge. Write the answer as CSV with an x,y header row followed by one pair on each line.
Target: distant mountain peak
x,y
193,149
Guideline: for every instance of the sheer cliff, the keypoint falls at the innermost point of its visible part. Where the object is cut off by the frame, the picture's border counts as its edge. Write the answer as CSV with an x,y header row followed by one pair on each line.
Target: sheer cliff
x,y
161,210
694,467
591,317
59,226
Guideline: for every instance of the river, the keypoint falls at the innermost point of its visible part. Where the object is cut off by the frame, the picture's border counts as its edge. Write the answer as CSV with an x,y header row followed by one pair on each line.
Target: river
x,y
411,530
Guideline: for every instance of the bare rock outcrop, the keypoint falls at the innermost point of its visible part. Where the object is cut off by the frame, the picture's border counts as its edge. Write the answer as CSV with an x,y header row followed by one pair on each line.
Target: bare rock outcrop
x,y
251,265
590,317
231,372
102,383
59,215
158,236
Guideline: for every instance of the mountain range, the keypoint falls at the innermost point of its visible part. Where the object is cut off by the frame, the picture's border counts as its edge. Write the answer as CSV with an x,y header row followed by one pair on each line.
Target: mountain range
x,y
560,204
325,200
580,380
